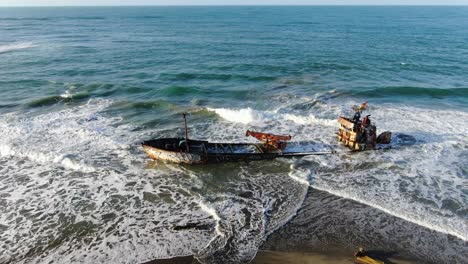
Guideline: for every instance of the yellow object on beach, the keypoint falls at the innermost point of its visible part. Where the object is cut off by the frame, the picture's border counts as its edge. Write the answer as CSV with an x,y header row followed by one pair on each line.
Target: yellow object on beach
x,y
368,260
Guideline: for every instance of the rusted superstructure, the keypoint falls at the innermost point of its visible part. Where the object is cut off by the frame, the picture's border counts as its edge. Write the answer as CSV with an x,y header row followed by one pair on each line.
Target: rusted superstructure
x,y
355,135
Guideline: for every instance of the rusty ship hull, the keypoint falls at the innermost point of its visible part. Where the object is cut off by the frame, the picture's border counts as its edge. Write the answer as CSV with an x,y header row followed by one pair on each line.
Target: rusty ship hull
x,y
174,150
204,152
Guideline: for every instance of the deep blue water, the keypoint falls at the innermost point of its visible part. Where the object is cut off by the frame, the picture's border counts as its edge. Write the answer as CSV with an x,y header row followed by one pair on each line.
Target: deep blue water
x,y
81,86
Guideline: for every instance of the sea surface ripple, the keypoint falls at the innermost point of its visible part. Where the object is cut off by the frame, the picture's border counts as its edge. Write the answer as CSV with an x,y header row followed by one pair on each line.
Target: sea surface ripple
x,y
81,87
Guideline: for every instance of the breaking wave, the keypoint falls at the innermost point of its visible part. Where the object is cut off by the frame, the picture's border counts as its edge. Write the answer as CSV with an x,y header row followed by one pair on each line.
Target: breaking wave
x,y
244,116
93,180
75,168
52,138
411,91
420,182
45,158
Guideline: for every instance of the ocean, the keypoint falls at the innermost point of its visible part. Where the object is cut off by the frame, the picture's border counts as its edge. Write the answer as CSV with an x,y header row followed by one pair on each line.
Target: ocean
x,y
81,87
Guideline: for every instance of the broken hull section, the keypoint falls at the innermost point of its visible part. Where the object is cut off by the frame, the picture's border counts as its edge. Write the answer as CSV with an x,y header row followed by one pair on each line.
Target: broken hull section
x,y
203,152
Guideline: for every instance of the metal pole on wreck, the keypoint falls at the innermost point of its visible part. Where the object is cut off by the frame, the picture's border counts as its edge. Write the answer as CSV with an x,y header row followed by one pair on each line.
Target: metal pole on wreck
x,y
186,132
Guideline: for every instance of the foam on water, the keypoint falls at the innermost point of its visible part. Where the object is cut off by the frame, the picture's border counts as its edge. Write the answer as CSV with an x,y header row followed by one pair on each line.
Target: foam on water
x,y
66,94
244,116
298,201
310,119
61,160
55,137
250,116
422,183
75,185
15,46
248,211
330,223
213,213
74,171
117,212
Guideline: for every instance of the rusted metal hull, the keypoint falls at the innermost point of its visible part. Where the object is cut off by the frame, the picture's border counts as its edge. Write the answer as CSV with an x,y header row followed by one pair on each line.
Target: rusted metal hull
x,y
190,158
172,156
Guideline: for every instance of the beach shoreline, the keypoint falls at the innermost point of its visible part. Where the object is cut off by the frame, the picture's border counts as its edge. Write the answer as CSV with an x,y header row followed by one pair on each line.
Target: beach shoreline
x,y
332,234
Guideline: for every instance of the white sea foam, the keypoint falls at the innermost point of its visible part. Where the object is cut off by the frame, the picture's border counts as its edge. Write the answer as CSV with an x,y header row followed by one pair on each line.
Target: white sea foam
x,y
298,201
299,175
310,119
44,158
15,46
56,138
244,116
415,182
66,94
130,210
212,212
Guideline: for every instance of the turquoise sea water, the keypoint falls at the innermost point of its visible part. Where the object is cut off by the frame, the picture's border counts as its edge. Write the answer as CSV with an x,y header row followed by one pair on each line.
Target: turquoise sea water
x,y
81,87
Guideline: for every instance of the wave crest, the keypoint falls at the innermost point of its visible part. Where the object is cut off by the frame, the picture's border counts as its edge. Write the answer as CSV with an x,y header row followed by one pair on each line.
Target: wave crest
x,y
248,115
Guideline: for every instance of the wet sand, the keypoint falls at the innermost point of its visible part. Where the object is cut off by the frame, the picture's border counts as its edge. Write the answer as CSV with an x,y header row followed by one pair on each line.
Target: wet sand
x,y
279,257
270,257
276,257
175,260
